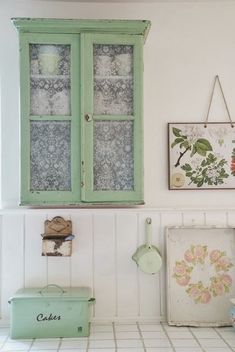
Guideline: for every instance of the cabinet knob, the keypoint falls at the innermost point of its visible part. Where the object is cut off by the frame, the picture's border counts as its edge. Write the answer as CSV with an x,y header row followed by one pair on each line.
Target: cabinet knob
x,y
88,117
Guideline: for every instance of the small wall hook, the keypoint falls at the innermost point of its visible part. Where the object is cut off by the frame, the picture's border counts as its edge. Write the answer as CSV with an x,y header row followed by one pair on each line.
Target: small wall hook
x,y
148,221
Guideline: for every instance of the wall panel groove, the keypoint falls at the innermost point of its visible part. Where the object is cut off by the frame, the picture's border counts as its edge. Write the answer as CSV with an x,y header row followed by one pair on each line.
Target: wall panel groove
x,y
1,281
12,259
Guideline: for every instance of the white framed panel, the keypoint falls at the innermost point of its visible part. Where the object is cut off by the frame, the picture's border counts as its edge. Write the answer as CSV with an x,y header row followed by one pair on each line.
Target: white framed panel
x,y
200,275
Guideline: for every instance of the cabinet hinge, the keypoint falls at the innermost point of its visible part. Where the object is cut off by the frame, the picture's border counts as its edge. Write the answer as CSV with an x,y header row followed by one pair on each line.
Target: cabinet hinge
x,y
82,184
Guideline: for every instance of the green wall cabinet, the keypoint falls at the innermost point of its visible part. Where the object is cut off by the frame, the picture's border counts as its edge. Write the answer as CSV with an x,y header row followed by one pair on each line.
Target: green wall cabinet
x,y
81,92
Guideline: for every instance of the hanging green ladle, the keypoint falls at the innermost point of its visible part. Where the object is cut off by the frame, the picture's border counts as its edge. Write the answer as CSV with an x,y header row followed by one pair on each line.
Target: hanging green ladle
x,y
147,256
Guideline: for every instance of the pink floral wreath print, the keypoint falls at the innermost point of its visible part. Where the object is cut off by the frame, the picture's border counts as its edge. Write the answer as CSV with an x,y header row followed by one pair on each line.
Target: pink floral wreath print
x,y
220,283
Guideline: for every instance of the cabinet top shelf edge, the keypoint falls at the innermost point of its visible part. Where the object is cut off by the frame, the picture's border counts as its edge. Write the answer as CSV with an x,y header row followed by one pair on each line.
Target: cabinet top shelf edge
x,y
66,26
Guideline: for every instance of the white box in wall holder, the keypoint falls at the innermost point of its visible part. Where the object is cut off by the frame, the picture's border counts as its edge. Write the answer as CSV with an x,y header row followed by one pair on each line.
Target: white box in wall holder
x,y
200,275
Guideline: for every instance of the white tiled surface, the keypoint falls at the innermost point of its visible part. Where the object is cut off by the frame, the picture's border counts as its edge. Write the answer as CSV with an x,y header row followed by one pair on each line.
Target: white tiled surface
x,y
136,337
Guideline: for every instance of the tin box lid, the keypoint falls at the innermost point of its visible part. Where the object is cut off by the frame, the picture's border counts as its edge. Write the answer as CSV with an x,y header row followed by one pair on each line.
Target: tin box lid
x,y
54,291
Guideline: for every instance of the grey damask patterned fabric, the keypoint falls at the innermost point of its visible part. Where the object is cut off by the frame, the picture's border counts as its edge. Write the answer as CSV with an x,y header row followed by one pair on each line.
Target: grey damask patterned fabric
x,y
112,49
113,97
50,79
50,156
113,79
113,155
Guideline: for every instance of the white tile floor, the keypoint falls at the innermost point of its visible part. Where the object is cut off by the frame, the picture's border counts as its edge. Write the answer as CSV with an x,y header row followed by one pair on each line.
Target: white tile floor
x,y
131,338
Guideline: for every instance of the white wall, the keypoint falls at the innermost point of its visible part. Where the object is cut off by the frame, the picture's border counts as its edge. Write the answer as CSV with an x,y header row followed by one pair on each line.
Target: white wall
x,y
188,44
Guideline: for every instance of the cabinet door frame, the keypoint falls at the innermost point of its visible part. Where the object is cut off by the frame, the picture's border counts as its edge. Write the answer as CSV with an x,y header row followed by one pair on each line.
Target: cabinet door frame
x,y
111,196
29,196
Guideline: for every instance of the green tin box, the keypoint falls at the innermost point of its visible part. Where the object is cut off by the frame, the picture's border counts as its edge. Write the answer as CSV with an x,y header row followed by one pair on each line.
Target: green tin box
x,y
51,311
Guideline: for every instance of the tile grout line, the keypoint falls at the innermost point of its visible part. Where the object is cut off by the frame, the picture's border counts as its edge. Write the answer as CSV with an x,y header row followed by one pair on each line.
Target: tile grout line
x,y
195,337
59,345
114,336
31,345
3,342
145,349
222,338
165,330
141,336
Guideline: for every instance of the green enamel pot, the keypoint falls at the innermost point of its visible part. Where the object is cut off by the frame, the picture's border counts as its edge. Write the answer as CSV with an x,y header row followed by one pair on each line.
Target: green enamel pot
x,y
147,256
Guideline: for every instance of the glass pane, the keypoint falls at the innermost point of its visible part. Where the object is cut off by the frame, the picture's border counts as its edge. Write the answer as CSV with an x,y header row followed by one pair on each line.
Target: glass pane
x,y
50,79
113,155
113,79
50,156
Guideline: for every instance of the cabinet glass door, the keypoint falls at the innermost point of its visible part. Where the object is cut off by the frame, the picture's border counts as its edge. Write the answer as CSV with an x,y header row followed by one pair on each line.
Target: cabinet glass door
x,y
113,95
50,83
112,164
113,156
113,79
50,155
50,125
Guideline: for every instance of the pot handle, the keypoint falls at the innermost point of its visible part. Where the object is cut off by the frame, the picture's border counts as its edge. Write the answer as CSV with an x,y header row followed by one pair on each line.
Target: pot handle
x,y
148,228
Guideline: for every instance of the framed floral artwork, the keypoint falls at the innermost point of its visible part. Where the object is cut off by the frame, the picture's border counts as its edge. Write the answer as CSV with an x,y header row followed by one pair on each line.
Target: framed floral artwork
x,y
201,156
200,275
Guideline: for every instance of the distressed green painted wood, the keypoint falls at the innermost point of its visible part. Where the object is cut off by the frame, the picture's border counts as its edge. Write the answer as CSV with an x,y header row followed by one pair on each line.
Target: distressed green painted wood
x,y
42,25
68,311
81,34
49,197
88,193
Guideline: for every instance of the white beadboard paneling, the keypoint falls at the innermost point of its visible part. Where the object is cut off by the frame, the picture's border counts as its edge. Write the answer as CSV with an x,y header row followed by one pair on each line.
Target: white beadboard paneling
x,y
59,268
105,240
35,263
104,265
127,294
59,271
149,285
231,218
171,219
12,258
193,218
82,249
216,218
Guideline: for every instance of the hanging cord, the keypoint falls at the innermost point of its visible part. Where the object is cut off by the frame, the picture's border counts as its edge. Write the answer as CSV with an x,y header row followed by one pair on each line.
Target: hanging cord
x,y
225,103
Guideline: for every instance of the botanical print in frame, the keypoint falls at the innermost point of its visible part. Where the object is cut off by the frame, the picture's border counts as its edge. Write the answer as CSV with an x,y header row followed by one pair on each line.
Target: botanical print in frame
x,y
200,275
201,156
